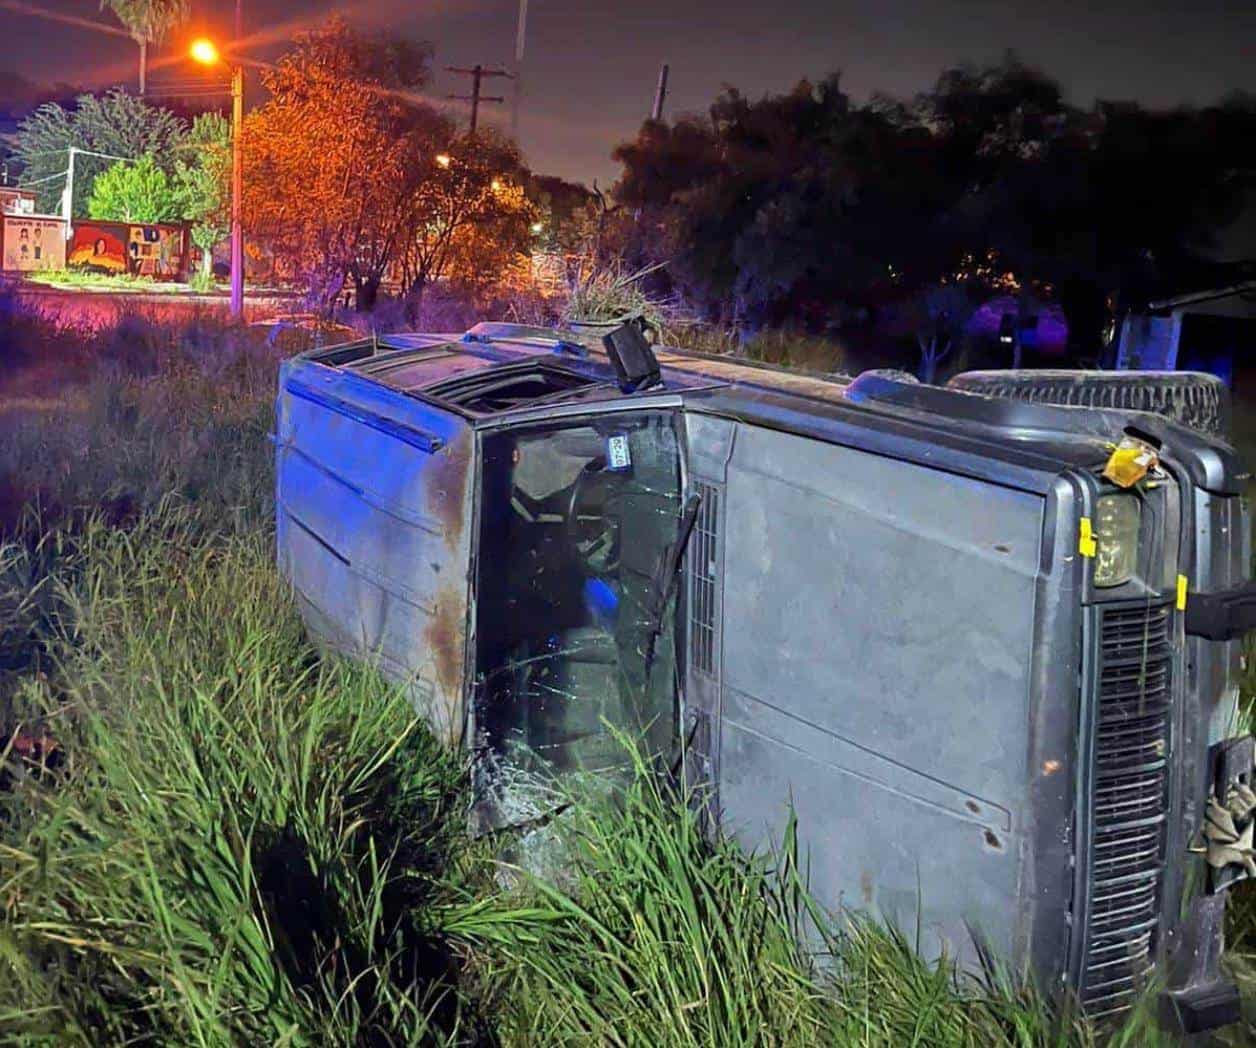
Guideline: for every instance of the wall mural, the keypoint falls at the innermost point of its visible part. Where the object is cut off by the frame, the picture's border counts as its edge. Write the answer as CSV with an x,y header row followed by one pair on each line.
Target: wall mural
x,y
33,243
118,247
97,245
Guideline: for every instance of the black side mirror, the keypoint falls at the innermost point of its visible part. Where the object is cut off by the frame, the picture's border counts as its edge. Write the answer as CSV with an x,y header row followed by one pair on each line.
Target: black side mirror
x,y
632,357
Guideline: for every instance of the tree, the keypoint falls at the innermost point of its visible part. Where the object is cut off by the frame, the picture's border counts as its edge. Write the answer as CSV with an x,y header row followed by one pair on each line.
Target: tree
x,y
467,216
940,316
134,191
333,158
201,185
775,205
802,204
116,123
565,211
148,21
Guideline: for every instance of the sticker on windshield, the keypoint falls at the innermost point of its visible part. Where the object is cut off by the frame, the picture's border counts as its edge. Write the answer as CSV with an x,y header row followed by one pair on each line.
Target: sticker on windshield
x,y
617,456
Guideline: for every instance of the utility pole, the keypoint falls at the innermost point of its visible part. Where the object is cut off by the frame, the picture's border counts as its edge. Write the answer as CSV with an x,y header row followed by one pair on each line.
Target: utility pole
x,y
521,35
204,52
477,73
237,192
67,196
660,94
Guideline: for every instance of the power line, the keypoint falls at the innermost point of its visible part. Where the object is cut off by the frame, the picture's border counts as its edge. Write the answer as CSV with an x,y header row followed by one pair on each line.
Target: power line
x,y
57,16
47,178
105,156
42,152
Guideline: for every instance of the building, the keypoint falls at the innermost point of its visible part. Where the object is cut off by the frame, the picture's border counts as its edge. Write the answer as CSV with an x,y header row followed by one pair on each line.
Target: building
x,y
15,201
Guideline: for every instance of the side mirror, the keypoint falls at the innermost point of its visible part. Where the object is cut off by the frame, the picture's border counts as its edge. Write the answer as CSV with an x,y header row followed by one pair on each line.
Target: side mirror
x,y
632,357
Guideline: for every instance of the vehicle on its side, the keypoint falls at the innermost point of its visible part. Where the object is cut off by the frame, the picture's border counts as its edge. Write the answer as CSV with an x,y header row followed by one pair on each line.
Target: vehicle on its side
x,y
999,689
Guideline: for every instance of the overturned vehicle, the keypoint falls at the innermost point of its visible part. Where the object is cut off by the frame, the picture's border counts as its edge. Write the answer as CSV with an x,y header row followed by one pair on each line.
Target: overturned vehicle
x,y
985,639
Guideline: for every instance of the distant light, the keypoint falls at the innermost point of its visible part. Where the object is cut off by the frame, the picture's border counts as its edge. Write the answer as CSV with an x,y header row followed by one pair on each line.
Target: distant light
x,y
496,185
537,227
1005,338
204,51
443,159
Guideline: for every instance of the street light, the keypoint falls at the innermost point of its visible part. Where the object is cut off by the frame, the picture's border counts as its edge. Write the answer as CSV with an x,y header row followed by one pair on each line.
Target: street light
x,y
204,52
443,159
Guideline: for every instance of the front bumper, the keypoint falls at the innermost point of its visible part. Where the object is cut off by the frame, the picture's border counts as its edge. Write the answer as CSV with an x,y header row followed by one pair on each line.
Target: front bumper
x,y
1225,615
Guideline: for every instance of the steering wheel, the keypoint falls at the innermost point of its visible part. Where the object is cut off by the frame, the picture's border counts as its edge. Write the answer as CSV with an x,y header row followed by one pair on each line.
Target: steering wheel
x,y
592,534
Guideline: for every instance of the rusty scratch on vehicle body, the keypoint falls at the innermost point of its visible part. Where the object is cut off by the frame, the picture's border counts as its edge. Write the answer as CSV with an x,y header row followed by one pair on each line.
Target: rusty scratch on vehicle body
x,y
445,636
447,495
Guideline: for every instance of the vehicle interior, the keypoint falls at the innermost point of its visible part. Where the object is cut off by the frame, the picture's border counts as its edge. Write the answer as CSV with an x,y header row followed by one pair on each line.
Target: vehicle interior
x,y
572,643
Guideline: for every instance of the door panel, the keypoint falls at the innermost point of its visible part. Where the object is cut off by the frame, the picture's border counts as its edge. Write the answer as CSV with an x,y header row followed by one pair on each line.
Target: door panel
x,y
877,625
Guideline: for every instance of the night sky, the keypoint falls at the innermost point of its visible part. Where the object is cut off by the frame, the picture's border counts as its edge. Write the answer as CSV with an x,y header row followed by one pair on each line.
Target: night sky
x,y
591,65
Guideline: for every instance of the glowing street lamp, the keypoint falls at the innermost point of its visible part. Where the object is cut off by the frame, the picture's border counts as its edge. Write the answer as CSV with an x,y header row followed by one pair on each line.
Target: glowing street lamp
x,y
204,52
444,159
537,228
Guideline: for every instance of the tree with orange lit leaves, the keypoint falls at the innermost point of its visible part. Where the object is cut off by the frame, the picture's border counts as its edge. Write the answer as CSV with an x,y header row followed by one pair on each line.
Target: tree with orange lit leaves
x,y
469,220
334,159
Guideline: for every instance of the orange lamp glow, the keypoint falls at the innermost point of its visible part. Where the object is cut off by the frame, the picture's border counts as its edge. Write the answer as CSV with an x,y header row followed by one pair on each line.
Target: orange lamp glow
x,y
443,159
204,51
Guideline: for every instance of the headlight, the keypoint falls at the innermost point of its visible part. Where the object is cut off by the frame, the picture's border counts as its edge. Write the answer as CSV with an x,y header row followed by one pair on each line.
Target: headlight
x,y
1117,519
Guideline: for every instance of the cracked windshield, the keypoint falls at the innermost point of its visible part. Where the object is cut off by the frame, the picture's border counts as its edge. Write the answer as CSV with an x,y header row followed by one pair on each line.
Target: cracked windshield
x,y
575,625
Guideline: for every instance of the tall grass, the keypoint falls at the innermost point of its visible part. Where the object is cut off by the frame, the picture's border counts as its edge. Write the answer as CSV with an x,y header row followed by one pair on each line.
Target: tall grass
x,y
244,843
664,935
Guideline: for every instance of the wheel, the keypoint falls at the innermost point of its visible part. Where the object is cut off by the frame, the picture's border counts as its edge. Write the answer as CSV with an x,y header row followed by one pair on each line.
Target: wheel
x,y
1191,398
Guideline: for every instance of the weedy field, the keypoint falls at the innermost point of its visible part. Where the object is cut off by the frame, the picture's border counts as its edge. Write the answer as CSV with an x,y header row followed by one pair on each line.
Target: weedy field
x,y
210,835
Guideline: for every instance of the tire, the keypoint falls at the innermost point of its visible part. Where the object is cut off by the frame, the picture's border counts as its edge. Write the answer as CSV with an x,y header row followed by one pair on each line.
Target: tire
x,y
1192,398
894,374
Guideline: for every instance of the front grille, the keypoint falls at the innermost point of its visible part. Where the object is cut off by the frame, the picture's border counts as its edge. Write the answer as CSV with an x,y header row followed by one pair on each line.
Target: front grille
x,y
703,579
1128,803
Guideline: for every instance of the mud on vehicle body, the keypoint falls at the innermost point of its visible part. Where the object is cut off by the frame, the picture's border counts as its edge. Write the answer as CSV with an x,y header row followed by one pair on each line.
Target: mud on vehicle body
x,y
998,688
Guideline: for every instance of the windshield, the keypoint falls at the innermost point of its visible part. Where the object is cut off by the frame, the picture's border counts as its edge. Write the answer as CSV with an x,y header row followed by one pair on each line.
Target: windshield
x,y
572,643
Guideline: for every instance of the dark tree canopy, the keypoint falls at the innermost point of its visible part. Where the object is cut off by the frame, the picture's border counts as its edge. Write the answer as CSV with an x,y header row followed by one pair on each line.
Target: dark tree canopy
x,y
804,203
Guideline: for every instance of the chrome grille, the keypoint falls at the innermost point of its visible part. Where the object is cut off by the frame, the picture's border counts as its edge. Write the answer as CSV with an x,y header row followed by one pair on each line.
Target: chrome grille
x,y
703,556
1128,803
